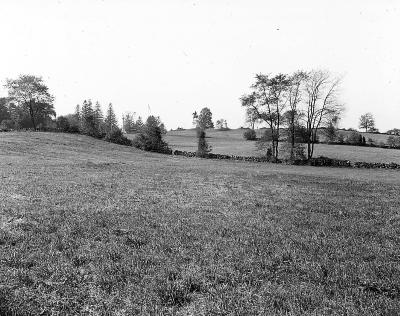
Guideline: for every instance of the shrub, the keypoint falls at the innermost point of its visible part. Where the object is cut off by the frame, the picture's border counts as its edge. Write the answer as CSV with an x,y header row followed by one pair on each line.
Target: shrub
x,y
250,134
393,142
62,124
286,152
355,138
370,141
340,138
7,125
203,147
117,137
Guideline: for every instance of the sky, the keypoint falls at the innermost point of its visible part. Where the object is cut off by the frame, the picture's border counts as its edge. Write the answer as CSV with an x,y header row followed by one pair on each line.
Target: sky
x,y
170,58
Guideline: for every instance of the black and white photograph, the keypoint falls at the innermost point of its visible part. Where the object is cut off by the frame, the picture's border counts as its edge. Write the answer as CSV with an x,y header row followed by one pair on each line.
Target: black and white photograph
x,y
200,157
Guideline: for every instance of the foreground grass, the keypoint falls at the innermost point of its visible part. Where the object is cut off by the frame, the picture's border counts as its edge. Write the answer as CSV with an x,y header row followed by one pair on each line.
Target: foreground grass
x,y
232,143
88,227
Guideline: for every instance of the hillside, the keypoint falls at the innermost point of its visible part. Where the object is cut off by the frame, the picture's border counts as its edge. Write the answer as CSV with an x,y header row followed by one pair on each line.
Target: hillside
x,y
88,227
231,142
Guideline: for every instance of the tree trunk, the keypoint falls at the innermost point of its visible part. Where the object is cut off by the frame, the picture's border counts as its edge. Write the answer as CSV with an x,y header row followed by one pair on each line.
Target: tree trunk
x,y
32,116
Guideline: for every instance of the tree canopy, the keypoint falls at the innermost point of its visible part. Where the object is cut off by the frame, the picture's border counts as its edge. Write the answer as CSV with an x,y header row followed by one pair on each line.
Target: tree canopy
x,y
31,96
367,122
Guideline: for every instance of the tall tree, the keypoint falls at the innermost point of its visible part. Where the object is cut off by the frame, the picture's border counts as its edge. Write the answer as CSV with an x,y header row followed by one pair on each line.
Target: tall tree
x,y
98,117
32,95
322,105
88,125
205,119
268,100
111,119
294,98
367,122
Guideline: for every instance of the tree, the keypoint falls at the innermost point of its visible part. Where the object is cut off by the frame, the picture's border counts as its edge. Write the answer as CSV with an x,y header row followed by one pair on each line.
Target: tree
x,y
87,119
367,122
4,112
128,122
139,123
205,119
393,141
62,124
111,119
150,136
321,91
203,148
251,117
32,96
221,124
293,114
268,100
98,118
195,119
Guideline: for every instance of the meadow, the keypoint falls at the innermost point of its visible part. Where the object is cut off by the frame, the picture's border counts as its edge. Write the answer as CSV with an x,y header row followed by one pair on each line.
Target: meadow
x,y
93,228
231,142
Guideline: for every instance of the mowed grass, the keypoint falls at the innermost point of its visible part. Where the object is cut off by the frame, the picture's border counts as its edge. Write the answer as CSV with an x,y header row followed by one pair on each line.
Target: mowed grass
x,y
231,142
89,227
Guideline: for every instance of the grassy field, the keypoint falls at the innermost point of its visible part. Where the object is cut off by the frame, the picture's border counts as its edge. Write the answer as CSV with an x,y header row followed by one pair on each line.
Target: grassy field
x,y
92,228
232,142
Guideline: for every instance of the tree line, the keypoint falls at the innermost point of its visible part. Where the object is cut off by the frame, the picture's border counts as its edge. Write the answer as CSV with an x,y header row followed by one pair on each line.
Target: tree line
x,y
303,100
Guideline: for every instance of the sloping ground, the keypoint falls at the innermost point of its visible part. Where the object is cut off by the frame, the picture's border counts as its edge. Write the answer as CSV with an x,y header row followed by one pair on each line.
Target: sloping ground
x,y
88,227
232,143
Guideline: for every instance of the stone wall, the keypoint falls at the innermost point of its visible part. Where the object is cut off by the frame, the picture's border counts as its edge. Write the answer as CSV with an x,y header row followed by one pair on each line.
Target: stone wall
x,y
317,162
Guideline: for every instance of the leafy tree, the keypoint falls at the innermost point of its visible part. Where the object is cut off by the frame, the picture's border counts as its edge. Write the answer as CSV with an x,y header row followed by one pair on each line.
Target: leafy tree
x,y
111,119
321,91
32,96
367,122
205,119
221,124
203,148
394,131
268,100
252,117
330,132
62,124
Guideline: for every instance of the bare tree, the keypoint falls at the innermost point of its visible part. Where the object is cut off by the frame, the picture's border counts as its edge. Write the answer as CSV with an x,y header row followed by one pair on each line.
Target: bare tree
x,y
322,104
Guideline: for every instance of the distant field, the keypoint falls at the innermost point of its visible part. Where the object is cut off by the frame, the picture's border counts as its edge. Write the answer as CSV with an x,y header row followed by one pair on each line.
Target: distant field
x,y
232,142
92,228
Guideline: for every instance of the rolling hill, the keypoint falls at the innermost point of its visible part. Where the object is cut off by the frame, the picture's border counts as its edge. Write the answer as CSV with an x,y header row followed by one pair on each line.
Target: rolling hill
x,y
89,227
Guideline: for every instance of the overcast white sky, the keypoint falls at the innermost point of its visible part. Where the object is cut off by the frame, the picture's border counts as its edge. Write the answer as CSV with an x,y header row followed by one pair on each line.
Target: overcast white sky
x,y
179,56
